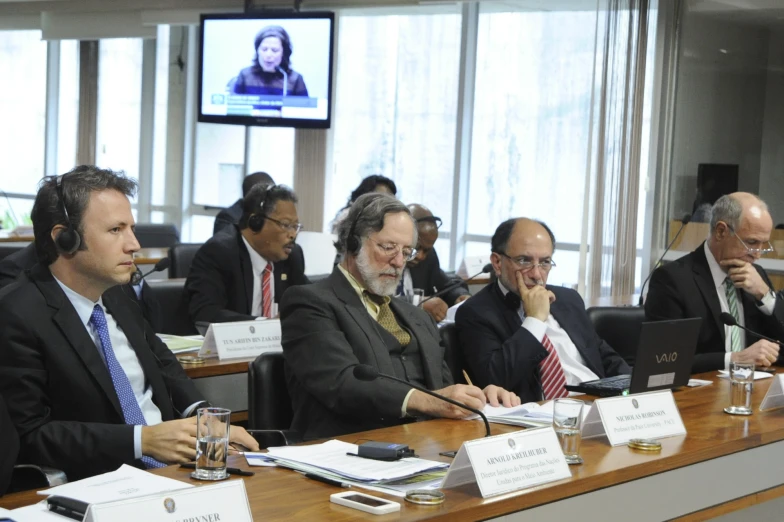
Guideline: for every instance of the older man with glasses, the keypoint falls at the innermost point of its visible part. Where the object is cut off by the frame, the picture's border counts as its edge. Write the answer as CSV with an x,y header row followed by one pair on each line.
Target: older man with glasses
x,y
528,337
721,276
349,319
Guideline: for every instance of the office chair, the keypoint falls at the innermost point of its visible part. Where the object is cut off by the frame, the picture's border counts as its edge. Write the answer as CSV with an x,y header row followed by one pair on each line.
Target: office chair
x,y
151,235
620,327
452,352
269,404
181,257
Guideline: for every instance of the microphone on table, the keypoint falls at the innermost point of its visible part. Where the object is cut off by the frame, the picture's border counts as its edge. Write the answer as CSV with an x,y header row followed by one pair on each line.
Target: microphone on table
x,y
684,221
137,277
363,372
485,269
730,320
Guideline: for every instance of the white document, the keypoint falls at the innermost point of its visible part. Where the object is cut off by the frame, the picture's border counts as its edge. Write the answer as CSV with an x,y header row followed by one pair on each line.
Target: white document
x,y
332,456
529,414
127,482
242,339
452,311
775,396
509,462
694,383
35,513
652,415
472,265
725,374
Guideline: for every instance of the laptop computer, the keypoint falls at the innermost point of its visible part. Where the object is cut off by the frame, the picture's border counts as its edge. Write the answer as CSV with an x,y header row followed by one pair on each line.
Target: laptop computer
x,y
665,353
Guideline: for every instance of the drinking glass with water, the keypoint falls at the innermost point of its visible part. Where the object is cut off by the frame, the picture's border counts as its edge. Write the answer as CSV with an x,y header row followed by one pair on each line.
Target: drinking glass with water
x,y
568,425
741,386
212,443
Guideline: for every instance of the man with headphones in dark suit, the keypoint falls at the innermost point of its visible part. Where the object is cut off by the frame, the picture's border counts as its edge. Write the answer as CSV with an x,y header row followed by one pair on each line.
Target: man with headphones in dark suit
x,y
88,385
241,273
350,319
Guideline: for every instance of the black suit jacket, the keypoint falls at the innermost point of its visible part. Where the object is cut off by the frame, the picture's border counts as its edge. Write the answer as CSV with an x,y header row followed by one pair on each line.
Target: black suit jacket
x,y
428,274
12,267
219,287
57,387
326,332
228,217
684,289
9,447
499,351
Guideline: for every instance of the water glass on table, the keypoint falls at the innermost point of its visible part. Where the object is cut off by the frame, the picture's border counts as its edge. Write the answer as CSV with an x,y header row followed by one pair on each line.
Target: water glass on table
x,y
414,296
212,443
568,425
741,386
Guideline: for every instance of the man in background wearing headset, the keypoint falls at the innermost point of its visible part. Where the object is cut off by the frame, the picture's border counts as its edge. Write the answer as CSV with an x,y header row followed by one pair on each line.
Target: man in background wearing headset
x,y
349,318
87,383
241,273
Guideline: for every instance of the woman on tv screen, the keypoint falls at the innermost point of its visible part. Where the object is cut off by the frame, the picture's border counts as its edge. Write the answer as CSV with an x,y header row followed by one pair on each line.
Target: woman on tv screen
x,y
271,72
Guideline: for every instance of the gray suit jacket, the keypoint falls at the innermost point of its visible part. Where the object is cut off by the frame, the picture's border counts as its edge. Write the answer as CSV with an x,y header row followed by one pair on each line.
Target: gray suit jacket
x,y
326,332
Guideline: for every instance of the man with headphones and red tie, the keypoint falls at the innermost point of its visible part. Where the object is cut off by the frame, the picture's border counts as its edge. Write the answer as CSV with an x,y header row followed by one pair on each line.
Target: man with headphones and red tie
x,y
87,383
241,272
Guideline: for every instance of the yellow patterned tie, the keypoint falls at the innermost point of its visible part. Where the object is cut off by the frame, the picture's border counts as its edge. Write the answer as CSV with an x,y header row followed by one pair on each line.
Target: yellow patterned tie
x,y
387,319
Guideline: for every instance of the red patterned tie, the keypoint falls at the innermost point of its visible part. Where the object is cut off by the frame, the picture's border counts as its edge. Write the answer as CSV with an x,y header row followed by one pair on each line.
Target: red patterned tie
x,y
266,291
551,373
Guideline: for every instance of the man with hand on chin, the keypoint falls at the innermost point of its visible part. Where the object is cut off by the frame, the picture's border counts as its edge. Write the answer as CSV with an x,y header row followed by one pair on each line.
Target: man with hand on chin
x,y
87,383
526,336
242,271
350,318
721,275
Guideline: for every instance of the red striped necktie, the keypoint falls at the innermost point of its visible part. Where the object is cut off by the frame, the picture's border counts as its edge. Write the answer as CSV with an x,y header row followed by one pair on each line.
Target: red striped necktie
x,y
551,373
266,291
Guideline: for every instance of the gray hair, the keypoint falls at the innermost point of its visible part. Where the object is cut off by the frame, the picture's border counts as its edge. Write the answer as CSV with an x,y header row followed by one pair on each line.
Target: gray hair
x,y
729,210
366,216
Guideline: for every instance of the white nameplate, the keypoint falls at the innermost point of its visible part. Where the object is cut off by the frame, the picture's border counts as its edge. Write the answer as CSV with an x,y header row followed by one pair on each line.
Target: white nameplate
x,y
472,265
241,340
652,415
215,503
509,462
775,396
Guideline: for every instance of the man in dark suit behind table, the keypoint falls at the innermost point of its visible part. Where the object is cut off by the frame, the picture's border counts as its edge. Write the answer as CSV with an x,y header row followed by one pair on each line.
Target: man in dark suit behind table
x,y
350,318
721,276
87,383
524,335
229,217
241,273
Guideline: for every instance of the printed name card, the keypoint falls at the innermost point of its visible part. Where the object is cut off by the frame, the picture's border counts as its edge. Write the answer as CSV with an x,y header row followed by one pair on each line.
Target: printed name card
x,y
472,265
241,340
509,462
775,396
214,503
651,415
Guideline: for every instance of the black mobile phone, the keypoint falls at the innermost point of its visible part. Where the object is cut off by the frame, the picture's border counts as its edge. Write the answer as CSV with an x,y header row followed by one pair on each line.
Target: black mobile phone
x,y
450,454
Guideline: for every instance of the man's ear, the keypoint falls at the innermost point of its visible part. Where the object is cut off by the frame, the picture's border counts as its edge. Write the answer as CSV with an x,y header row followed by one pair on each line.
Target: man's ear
x,y
495,259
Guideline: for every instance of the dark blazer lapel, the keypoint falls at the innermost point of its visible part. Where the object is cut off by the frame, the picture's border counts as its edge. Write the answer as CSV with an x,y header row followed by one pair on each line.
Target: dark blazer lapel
x,y
511,316
419,330
281,273
704,280
246,269
134,332
69,323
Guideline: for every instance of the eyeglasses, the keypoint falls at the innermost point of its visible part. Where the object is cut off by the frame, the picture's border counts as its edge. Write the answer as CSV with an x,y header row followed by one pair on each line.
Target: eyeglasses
x,y
526,264
753,251
294,227
393,249
433,219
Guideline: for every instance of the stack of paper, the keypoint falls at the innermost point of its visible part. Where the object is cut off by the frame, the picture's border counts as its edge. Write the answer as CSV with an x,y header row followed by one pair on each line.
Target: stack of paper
x,y
336,460
531,415
177,344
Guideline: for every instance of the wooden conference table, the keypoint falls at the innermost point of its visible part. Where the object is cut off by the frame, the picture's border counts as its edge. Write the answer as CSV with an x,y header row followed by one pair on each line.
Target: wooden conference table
x,y
725,463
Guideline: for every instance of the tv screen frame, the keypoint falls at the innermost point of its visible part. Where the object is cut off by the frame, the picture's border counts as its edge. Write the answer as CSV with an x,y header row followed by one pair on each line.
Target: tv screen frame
x,y
266,18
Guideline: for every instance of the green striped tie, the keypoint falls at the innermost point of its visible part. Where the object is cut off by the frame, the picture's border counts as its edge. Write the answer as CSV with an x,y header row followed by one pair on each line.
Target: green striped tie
x,y
732,302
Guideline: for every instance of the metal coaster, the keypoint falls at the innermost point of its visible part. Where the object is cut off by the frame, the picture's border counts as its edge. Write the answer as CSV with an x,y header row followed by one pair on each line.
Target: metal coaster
x,y
428,497
734,411
191,359
645,445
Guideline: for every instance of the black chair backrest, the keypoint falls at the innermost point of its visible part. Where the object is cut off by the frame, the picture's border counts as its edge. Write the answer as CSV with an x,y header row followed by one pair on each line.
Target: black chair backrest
x,y
452,352
180,258
151,235
7,250
620,327
170,293
269,403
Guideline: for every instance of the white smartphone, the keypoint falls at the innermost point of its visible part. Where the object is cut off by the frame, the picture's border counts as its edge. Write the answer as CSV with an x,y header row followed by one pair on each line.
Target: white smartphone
x,y
366,503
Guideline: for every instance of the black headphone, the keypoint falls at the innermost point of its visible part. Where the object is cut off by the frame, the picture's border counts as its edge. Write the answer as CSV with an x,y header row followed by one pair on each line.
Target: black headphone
x,y
256,221
68,241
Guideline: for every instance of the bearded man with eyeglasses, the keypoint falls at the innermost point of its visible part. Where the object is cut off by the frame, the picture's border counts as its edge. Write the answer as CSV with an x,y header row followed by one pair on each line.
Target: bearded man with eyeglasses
x,y
722,276
527,336
350,318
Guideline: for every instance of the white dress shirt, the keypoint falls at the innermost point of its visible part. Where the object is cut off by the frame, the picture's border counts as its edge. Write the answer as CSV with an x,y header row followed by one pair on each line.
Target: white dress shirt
x,y
259,264
719,275
572,362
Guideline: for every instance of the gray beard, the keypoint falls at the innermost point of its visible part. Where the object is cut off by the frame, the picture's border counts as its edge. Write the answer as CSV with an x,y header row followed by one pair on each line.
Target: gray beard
x,y
372,280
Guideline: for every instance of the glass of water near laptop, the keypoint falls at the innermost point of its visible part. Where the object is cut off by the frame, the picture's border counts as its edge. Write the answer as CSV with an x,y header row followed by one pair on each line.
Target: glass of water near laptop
x,y
414,296
568,424
212,443
741,385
